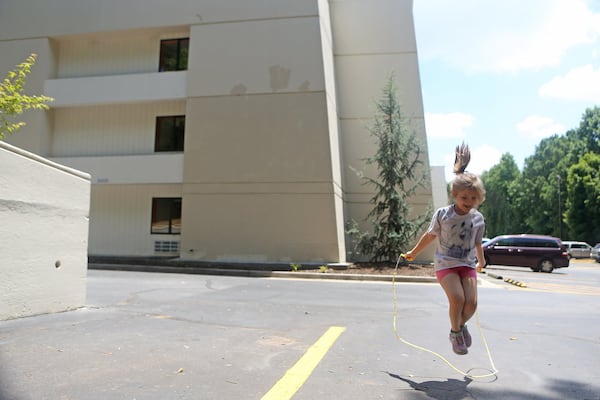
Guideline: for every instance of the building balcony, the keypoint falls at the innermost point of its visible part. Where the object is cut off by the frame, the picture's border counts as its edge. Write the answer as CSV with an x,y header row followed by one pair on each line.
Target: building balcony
x,y
131,88
132,169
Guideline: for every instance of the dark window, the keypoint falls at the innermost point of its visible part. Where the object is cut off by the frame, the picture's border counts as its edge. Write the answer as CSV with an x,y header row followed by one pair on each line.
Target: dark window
x,y
506,242
544,243
174,54
166,215
528,243
169,133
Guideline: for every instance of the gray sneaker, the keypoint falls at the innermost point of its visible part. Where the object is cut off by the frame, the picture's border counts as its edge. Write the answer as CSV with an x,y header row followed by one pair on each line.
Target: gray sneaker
x,y
458,343
466,336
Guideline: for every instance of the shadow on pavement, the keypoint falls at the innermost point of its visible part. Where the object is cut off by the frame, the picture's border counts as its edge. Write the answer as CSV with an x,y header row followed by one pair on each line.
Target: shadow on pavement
x,y
451,389
455,389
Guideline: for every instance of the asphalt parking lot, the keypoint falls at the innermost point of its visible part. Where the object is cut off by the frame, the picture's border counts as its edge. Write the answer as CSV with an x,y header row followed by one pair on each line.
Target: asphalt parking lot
x,y
178,336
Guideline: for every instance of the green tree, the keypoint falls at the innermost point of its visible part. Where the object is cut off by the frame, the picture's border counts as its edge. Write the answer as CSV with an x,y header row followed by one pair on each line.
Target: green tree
x,y
542,198
499,181
401,172
13,100
589,130
544,177
583,199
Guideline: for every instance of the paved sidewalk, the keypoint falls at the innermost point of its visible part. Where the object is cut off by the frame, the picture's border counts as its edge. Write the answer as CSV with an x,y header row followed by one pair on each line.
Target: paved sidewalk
x,y
256,272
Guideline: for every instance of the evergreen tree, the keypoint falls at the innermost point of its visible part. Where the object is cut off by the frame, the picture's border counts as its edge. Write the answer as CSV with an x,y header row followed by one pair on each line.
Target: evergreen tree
x,y
401,171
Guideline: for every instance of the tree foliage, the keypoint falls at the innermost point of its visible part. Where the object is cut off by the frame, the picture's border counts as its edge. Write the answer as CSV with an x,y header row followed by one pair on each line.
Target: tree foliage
x,y
544,175
401,172
13,100
583,198
557,193
589,130
500,196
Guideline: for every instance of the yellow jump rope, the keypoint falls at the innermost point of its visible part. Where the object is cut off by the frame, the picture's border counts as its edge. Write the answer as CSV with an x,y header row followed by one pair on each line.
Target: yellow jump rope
x,y
494,371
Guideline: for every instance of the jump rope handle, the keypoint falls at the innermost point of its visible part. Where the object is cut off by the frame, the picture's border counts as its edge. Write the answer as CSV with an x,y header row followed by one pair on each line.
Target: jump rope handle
x,y
407,258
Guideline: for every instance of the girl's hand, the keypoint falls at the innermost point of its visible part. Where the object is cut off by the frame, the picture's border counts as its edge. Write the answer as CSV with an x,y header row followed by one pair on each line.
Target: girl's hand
x,y
409,256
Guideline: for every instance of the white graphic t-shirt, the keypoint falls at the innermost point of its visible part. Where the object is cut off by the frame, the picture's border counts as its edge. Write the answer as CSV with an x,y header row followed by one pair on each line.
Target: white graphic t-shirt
x,y
457,235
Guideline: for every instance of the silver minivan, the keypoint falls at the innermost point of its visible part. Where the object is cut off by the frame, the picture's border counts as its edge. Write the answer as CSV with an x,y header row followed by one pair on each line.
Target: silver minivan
x,y
578,249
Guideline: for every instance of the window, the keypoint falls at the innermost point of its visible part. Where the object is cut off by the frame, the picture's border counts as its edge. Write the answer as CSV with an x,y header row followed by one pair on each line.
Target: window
x,y
166,215
506,242
174,54
169,133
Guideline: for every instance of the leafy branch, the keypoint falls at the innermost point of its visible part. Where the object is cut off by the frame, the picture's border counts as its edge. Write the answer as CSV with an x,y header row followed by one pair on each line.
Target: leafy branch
x,y
13,100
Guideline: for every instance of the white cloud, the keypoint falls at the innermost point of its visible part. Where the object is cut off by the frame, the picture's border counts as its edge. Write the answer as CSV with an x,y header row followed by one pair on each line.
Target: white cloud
x,y
581,83
483,157
538,127
451,125
501,36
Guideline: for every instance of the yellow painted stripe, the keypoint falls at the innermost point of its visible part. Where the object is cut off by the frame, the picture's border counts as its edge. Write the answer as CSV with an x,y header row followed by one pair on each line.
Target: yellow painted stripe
x,y
295,377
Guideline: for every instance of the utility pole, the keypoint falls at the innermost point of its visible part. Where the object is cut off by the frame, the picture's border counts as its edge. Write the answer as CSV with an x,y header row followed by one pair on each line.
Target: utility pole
x,y
560,228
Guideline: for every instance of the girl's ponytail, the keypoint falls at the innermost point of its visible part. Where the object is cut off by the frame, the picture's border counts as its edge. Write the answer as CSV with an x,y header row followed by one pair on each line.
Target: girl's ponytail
x,y
463,179
461,158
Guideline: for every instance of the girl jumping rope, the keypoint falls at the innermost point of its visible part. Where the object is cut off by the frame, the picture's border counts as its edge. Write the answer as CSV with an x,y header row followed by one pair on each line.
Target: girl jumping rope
x,y
459,229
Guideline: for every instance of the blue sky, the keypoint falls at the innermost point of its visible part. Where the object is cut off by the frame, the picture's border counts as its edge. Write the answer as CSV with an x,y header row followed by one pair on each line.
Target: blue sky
x,y
502,75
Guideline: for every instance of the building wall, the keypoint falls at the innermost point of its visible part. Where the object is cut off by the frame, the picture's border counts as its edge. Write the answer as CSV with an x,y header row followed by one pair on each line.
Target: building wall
x,y
44,212
121,216
365,58
109,129
113,53
276,96
78,17
259,132
263,161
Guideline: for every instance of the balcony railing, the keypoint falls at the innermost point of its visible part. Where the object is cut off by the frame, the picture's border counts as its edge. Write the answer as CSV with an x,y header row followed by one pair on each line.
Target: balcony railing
x,y
132,88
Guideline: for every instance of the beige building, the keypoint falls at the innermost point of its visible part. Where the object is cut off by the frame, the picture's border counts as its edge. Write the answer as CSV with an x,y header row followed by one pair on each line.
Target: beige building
x,y
215,130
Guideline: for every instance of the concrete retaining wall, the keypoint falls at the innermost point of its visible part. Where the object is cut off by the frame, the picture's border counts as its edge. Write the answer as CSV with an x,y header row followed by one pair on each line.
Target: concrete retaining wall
x,y
44,210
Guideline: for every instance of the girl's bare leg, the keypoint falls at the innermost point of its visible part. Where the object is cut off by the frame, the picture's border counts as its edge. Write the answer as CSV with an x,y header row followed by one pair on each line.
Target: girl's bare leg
x,y
470,305
455,292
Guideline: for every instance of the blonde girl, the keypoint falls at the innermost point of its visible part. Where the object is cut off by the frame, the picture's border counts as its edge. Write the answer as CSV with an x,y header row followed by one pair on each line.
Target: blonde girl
x,y
459,229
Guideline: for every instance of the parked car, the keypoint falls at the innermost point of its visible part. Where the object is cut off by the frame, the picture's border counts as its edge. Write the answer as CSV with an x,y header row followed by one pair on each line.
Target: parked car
x,y
578,249
538,252
595,252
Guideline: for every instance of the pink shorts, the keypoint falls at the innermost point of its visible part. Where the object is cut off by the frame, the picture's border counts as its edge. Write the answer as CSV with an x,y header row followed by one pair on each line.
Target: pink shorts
x,y
463,272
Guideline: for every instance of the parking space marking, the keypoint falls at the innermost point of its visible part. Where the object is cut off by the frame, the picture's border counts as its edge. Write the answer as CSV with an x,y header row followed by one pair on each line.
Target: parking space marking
x,y
565,289
295,377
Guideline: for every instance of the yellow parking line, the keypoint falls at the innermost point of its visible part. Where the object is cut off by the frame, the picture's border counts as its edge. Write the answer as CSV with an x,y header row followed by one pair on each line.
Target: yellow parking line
x,y
295,377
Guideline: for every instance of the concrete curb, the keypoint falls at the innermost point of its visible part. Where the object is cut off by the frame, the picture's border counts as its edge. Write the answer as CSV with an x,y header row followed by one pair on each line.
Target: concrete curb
x,y
507,280
261,273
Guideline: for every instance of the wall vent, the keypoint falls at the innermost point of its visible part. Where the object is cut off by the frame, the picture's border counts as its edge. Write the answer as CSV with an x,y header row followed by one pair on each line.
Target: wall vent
x,y
166,246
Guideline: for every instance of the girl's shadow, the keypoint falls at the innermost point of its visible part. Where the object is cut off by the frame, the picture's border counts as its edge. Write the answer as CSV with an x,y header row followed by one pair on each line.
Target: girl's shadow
x,y
451,389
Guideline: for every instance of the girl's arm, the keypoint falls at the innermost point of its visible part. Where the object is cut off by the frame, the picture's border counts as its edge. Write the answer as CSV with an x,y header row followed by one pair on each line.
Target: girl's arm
x,y
480,257
423,242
